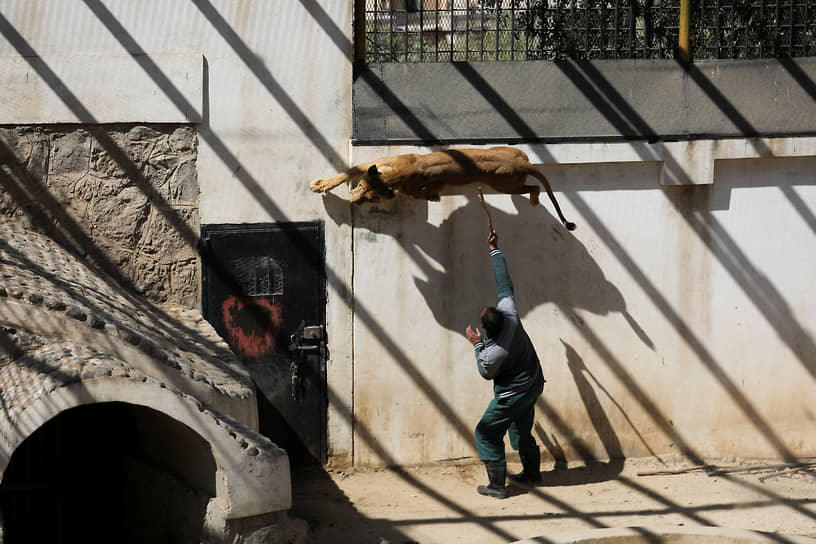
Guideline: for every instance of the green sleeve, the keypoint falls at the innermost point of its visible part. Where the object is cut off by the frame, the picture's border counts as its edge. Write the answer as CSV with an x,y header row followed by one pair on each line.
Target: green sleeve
x,y
504,286
477,348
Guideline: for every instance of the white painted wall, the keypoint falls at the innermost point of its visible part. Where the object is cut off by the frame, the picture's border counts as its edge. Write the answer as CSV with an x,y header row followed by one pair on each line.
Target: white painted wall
x,y
273,97
676,318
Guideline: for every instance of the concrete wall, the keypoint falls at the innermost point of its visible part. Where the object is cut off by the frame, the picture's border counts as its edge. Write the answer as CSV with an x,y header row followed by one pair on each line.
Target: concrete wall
x,y
266,84
126,197
675,319
557,101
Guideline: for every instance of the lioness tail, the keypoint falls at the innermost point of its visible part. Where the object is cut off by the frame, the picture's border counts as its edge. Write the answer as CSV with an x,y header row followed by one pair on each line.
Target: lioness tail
x,y
543,179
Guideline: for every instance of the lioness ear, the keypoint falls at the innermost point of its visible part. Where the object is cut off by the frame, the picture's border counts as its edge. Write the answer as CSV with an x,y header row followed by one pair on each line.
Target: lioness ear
x,y
372,170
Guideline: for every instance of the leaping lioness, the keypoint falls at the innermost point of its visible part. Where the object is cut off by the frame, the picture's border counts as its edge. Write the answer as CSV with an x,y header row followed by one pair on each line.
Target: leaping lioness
x,y
505,169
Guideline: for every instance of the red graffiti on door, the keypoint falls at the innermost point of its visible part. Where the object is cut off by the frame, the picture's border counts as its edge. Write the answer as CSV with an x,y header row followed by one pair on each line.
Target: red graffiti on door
x,y
253,324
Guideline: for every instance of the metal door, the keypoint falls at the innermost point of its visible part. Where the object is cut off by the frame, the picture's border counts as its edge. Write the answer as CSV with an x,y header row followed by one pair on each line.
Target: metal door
x,y
265,294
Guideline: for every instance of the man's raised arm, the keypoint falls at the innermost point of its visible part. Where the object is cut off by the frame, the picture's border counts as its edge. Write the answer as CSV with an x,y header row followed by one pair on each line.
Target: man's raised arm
x,y
504,286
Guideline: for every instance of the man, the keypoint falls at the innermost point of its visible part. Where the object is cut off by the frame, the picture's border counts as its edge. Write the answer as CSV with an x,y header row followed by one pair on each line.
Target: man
x,y
506,356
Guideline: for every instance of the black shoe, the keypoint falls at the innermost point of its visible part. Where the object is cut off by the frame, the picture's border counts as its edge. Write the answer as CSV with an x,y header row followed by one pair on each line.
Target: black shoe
x,y
531,467
522,478
496,473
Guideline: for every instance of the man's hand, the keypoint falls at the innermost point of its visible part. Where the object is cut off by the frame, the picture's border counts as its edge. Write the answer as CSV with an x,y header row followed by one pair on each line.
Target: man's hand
x,y
473,336
493,240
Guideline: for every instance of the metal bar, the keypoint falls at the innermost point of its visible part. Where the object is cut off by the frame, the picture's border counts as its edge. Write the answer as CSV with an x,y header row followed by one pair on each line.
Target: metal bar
x,y
512,33
450,33
380,32
616,27
403,47
717,36
391,31
586,27
669,472
781,473
436,31
467,30
760,45
812,27
805,32
659,34
776,22
632,22
498,20
421,30
359,30
732,24
602,31
482,31
683,48
647,28
371,35
557,18
760,467
703,24
527,33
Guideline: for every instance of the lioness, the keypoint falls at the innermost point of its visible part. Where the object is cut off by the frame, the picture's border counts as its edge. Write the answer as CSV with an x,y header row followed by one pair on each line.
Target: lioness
x,y
505,169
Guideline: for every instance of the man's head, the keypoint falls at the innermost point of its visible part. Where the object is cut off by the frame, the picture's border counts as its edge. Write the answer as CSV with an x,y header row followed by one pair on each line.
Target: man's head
x,y
492,321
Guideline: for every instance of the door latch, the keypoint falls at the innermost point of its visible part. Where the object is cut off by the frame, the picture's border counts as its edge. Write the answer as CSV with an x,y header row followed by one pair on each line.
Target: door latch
x,y
304,340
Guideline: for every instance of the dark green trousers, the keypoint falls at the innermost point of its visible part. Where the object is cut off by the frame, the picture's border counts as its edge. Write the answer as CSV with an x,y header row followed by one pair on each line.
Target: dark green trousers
x,y
513,415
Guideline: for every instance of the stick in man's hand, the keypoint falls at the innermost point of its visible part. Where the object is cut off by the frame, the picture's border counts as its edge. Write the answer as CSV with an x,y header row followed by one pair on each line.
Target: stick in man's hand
x,y
484,207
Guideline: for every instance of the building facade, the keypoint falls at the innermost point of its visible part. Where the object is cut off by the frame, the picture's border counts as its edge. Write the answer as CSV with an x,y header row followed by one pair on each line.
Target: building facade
x,y
677,317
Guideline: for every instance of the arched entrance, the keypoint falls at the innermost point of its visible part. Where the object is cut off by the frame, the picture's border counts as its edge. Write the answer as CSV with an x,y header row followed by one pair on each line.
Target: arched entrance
x,y
112,472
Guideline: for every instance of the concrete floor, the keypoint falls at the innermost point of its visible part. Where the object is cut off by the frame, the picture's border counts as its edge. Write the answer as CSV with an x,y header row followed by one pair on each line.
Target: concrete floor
x,y
439,504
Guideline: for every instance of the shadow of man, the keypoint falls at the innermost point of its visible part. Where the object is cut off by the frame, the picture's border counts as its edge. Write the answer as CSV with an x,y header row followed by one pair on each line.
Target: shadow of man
x,y
548,264
594,469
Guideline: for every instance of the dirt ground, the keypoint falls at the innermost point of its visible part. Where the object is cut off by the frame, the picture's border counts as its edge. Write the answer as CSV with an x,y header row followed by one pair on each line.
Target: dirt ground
x,y
439,503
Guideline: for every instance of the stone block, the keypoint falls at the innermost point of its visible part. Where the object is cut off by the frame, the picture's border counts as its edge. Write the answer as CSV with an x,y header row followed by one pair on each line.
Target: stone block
x,y
150,277
129,191
183,183
117,213
185,281
71,152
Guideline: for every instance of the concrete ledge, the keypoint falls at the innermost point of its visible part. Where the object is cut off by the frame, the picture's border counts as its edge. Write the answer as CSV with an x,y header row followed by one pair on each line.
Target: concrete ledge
x,y
681,162
611,100
675,535
99,89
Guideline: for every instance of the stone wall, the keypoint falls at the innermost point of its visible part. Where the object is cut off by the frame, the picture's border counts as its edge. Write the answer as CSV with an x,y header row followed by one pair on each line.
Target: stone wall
x,y
124,197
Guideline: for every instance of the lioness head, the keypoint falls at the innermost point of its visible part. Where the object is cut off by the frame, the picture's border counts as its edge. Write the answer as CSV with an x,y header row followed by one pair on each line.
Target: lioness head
x,y
371,188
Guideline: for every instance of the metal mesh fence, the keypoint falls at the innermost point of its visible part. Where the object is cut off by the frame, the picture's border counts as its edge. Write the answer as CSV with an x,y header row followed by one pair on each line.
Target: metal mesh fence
x,y
499,30
740,29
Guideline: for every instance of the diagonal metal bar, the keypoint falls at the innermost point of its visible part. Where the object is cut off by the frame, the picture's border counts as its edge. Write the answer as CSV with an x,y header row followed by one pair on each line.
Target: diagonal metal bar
x,y
221,150
250,60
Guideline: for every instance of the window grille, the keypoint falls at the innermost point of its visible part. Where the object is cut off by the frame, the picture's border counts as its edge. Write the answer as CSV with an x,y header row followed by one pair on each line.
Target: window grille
x,y
258,276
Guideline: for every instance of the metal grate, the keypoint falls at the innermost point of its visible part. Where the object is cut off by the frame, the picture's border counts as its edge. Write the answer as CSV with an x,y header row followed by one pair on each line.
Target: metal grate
x,y
498,30
744,29
258,276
